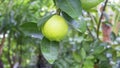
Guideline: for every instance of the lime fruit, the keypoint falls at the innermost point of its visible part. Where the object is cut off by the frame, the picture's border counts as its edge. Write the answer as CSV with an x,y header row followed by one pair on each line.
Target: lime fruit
x,y
55,29
88,4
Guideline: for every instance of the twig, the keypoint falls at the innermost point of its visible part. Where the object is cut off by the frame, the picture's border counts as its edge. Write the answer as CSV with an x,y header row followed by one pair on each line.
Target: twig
x,y
101,18
93,20
90,33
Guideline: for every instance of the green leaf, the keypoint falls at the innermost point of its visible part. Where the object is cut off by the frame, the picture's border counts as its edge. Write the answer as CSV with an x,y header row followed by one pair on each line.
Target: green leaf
x,y
83,53
88,64
105,64
90,57
49,50
67,17
71,7
86,46
99,49
29,28
64,63
76,56
102,57
43,20
79,25
83,25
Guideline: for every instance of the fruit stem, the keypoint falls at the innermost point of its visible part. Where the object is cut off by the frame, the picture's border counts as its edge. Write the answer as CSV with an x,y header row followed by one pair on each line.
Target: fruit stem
x,y
58,11
102,13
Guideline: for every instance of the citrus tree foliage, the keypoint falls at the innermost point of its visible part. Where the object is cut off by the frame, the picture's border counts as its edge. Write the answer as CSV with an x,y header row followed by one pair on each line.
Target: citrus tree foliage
x,y
92,40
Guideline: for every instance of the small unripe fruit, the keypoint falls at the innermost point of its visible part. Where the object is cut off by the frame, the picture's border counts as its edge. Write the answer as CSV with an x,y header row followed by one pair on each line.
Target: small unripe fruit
x,y
88,4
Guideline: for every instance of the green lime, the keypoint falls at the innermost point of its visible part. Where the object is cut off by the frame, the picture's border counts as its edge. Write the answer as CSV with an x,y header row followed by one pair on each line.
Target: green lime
x,y
55,29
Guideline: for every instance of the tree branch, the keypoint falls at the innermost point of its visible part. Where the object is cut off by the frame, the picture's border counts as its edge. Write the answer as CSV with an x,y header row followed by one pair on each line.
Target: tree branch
x,y
3,40
1,44
98,27
9,47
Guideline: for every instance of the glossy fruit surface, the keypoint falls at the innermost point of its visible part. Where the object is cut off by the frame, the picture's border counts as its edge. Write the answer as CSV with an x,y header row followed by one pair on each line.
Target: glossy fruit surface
x,y
88,4
55,29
